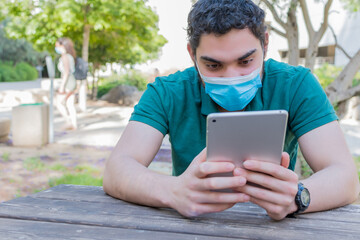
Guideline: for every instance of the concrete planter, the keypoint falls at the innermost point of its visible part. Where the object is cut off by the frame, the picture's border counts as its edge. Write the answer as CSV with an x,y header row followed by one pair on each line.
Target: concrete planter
x,y
30,125
5,125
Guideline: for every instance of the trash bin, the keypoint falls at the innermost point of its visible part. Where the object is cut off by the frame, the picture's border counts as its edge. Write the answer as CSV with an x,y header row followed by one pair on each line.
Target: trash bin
x,y
30,124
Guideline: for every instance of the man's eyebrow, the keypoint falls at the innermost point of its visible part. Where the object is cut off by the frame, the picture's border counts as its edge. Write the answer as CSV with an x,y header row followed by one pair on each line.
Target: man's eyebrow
x,y
249,53
210,59
206,58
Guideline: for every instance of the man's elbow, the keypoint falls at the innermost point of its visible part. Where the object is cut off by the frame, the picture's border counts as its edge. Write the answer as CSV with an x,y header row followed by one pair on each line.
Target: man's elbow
x,y
357,189
107,183
110,185
354,187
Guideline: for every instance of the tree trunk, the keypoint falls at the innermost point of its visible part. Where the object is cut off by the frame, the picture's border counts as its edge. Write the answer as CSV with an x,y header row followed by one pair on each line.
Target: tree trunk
x,y
314,36
311,53
93,85
312,50
341,89
86,32
96,87
85,56
94,82
292,35
86,40
290,27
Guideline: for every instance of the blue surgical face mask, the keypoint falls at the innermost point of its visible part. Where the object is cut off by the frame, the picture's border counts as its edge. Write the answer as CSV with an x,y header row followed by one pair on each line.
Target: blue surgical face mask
x,y
233,93
58,50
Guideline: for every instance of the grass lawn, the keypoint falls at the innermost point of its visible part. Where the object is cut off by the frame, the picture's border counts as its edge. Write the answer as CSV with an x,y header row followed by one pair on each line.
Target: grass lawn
x,y
83,174
357,162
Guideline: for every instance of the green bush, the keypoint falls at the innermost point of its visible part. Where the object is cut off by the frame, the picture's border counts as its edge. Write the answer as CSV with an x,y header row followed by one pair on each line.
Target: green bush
x,y
21,72
327,73
8,73
135,78
105,87
27,71
132,78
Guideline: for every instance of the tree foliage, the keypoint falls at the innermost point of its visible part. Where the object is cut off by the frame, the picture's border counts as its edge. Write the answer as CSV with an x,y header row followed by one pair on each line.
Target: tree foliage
x,y
18,50
122,31
352,5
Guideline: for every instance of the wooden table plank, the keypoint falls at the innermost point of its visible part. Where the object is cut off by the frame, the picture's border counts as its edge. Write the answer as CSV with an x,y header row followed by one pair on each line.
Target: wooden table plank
x,y
350,213
234,223
21,229
76,193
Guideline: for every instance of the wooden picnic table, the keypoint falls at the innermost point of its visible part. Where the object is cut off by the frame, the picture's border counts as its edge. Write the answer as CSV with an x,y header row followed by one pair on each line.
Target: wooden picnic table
x,y
86,212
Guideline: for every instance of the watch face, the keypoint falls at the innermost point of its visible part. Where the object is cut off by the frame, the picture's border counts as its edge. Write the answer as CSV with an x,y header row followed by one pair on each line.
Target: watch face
x,y
305,197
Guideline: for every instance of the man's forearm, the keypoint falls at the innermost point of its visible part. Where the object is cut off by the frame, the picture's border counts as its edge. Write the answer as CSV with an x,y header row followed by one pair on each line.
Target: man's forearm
x,y
128,180
330,192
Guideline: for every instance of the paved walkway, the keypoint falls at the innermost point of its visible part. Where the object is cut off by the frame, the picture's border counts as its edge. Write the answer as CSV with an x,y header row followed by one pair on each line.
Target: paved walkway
x,y
102,125
98,126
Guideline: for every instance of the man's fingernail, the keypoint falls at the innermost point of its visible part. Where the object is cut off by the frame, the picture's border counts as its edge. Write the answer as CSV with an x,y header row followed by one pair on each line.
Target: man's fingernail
x,y
242,181
237,172
248,164
229,166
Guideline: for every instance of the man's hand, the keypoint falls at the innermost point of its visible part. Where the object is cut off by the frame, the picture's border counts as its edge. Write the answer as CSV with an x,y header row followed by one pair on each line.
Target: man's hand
x,y
193,194
282,185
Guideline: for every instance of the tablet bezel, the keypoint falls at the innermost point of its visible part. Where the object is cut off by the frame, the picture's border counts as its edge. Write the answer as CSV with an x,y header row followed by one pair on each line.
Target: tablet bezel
x,y
239,136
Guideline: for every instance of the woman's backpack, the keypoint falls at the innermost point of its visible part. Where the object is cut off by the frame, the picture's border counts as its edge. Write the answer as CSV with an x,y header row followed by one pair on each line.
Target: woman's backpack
x,y
81,69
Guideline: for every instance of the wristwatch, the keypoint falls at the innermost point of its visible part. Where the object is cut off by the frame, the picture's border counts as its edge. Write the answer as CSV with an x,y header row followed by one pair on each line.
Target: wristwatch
x,y
302,198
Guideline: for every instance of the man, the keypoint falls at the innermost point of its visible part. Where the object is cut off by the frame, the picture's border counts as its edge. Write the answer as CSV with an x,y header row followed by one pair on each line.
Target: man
x,y
228,40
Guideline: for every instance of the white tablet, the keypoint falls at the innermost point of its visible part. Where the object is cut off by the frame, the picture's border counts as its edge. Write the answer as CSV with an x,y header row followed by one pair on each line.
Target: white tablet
x,y
239,136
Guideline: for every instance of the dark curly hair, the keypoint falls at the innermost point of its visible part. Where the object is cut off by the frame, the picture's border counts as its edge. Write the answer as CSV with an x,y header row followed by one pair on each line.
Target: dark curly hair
x,y
221,16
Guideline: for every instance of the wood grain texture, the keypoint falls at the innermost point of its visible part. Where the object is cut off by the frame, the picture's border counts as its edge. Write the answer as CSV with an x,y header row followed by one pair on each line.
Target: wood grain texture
x,y
11,229
91,207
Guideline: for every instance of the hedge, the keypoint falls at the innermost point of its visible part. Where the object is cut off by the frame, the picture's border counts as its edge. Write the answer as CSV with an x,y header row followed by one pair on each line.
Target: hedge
x,y
21,72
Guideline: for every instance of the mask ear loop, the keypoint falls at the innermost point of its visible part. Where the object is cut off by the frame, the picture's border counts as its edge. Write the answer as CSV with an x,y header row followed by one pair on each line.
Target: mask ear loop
x,y
263,64
201,81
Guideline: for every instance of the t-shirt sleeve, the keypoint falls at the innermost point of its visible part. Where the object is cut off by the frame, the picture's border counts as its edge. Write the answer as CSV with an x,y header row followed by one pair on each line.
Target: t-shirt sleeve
x,y
310,108
150,109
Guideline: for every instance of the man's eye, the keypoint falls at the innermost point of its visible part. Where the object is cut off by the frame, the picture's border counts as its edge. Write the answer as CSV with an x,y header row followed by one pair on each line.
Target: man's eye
x,y
247,61
214,66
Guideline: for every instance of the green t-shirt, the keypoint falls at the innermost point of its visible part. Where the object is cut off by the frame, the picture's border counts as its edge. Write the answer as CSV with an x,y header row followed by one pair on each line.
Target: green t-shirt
x,y
178,105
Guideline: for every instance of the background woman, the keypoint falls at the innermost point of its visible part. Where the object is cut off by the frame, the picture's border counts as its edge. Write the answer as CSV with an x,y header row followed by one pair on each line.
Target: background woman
x,y
65,100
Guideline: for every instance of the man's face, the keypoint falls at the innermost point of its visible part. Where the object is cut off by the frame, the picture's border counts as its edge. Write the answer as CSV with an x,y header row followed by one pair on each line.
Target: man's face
x,y
235,53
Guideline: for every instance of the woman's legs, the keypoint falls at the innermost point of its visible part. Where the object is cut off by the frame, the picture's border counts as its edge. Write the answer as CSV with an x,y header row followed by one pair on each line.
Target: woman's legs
x,y
70,105
60,105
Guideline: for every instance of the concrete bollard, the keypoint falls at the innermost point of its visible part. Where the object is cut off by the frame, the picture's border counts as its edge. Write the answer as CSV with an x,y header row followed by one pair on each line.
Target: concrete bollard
x,y
30,125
